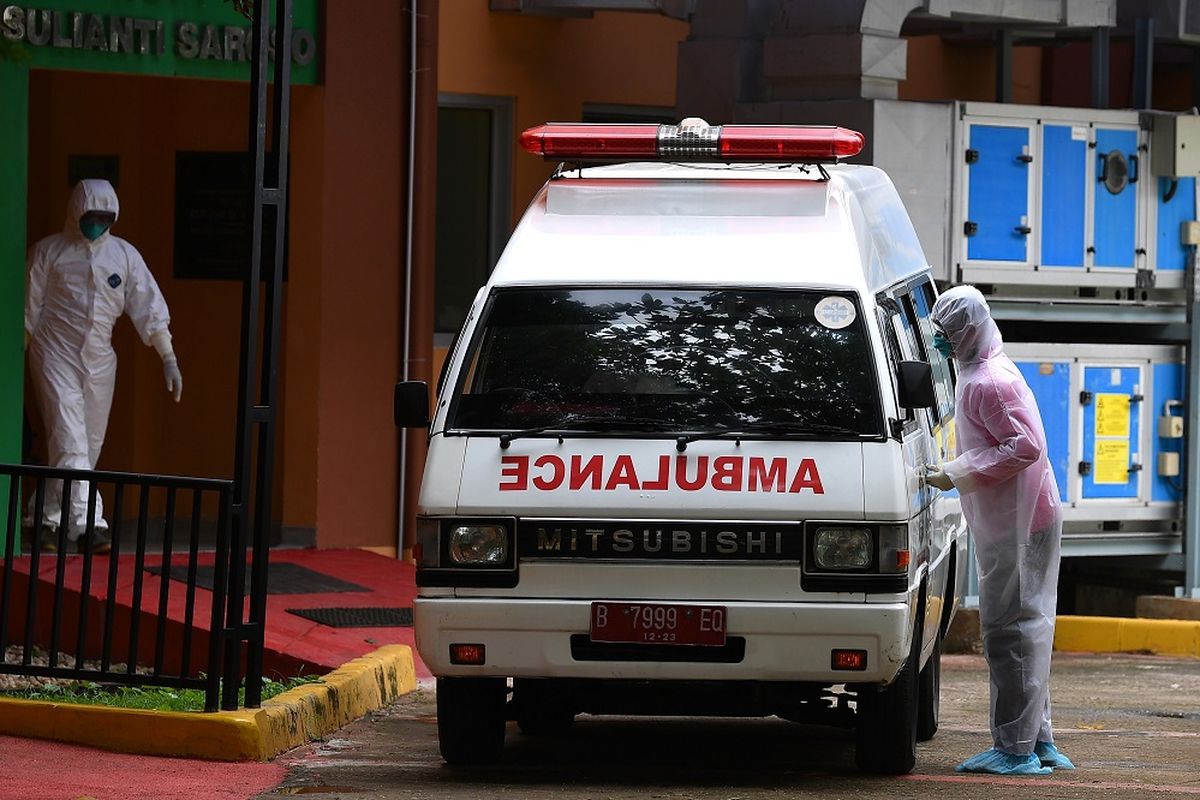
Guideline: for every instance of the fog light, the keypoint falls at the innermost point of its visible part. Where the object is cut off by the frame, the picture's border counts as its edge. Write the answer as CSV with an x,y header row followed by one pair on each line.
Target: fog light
x,y
843,548
467,654
849,660
478,544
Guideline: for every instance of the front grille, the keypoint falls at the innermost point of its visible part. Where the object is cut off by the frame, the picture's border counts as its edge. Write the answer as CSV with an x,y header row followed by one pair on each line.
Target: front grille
x,y
628,540
584,649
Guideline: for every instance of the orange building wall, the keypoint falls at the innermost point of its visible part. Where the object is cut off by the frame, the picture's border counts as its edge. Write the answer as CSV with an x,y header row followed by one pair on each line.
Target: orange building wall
x,y
359,205
552,66
940,70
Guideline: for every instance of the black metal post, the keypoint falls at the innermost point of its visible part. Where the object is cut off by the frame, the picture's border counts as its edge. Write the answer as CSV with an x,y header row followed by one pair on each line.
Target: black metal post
x,y
1101,50
1004,60
1143,63
257,400
1196,77
1191,469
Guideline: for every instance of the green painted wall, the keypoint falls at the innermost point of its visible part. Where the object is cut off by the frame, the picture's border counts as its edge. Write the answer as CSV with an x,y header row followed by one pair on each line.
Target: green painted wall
x,y
185,38
14,136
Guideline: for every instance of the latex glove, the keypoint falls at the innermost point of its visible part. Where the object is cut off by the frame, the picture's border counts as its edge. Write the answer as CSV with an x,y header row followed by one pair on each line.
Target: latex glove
x,y
938,479
173,376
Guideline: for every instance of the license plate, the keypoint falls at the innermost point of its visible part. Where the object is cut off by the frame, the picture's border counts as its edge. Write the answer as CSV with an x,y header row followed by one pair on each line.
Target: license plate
x,y
658,623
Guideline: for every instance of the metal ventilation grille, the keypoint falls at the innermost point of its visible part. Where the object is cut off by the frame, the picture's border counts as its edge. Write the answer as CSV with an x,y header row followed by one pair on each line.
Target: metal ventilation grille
x,y
282,578
362,617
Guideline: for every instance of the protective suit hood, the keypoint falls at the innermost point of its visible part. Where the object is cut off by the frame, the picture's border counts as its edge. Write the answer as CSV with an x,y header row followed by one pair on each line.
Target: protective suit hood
x,y
90,194
964,316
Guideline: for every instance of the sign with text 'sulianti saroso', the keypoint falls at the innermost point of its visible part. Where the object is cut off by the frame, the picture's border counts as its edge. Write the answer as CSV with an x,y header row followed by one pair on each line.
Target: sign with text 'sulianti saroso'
x,y
186,38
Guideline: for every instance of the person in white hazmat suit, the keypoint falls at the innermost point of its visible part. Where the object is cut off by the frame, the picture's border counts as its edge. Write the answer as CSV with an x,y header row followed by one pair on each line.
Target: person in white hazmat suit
x,y
1010,501
80,282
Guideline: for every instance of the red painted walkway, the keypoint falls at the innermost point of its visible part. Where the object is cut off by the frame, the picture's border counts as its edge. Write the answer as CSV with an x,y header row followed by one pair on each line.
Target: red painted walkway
x,y
31,769
294,645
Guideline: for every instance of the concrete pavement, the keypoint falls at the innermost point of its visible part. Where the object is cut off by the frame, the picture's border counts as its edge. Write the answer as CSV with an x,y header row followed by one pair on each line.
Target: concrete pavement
x,y
1131,723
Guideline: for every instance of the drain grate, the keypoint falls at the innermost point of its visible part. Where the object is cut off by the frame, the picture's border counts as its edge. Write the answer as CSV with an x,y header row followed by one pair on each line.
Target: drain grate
x,y
364,617
282,578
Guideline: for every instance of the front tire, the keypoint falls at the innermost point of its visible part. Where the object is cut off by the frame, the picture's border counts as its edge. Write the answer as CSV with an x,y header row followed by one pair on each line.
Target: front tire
x,y
929,703
471,719
886,735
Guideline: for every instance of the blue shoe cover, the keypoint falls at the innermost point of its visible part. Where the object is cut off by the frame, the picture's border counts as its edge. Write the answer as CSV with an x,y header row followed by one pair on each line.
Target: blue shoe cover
x,y
998,762
1050,756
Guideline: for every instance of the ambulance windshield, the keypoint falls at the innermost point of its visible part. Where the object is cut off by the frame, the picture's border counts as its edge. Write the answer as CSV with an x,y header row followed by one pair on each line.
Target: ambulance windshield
x,y
670,360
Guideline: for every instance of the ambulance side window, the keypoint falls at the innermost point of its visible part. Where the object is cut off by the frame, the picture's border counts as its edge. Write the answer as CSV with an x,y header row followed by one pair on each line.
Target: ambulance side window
x,y
922,299
916,332
898,344
920,348
910,339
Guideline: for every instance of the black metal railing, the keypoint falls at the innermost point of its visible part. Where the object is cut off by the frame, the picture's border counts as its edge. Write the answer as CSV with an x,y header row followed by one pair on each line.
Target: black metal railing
x,y
90,620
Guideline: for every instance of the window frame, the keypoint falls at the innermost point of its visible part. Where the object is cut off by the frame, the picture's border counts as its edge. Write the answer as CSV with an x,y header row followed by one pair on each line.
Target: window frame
x,y
500,181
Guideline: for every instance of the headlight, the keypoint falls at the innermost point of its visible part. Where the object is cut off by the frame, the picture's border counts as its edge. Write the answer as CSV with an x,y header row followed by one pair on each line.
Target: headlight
x,y
843,548
478,544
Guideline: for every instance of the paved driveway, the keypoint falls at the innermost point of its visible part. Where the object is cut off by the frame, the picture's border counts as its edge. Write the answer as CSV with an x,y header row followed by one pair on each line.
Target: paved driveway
x,y
1132,724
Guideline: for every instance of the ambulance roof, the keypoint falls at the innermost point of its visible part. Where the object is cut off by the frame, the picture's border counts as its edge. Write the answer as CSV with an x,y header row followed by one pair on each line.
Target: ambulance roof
x,y
714,224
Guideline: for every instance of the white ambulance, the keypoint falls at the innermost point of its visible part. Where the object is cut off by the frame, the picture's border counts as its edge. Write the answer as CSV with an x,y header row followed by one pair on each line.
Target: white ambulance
x,y
675,461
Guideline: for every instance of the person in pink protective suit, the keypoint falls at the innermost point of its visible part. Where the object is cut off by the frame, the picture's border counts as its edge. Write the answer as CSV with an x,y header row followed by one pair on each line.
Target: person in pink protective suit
x,y
80,282
1010,501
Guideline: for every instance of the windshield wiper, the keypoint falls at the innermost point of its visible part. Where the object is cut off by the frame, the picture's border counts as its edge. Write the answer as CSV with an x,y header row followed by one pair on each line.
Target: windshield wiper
x,y
572,422
782,426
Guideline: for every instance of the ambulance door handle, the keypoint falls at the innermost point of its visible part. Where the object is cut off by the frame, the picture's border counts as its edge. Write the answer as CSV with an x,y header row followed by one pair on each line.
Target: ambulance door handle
x,y
1024,230
1135,468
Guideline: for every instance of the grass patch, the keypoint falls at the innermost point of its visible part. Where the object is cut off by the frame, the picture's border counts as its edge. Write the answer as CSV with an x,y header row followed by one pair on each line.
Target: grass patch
x,y
144,697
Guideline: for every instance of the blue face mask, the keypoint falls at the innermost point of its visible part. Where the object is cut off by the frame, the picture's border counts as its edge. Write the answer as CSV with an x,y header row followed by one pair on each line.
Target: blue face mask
x,y
92,230
942,344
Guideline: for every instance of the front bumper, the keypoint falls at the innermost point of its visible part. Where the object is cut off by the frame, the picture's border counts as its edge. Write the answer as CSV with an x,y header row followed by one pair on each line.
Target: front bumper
x,y
531,638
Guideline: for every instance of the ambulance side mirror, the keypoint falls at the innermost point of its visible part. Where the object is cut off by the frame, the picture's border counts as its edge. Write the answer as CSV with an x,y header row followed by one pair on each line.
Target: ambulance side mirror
x,y
411,404
916,384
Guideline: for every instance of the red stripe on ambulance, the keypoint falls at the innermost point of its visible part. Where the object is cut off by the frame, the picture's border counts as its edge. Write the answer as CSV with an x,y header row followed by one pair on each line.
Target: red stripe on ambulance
x,y
548,473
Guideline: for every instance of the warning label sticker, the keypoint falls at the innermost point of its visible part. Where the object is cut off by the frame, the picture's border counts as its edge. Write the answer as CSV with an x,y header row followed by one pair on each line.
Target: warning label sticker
x,y
1112,415
1112,461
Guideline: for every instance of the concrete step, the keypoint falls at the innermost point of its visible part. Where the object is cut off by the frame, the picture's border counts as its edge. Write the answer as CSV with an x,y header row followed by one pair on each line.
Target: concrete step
x,y
1161,607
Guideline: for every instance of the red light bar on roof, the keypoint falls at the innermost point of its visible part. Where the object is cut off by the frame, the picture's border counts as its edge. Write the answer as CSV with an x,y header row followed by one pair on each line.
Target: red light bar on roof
x,y
692,140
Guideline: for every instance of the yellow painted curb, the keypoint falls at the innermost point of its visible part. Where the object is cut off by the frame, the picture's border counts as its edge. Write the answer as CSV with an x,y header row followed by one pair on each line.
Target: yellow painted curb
x,y
350,691
283,722
1126,635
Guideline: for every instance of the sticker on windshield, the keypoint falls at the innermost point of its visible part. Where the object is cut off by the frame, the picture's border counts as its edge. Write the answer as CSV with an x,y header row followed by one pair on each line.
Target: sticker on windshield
x,y
835,312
